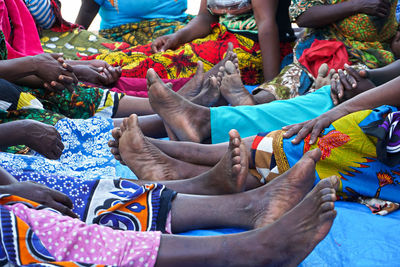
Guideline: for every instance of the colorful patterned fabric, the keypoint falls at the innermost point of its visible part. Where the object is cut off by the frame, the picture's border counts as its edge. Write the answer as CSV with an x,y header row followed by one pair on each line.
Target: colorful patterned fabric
x,y
388,134
84,102
74,43
86,154
347,152
367,38
182,62
32,233
143,32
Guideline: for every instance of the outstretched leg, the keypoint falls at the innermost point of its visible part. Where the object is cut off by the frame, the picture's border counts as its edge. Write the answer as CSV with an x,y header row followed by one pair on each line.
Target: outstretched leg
x,y
147,161
252,208
188,121
227,177
284,243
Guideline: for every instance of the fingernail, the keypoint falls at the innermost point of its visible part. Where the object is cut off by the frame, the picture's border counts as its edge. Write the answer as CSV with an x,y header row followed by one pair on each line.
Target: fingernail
x,y
346,65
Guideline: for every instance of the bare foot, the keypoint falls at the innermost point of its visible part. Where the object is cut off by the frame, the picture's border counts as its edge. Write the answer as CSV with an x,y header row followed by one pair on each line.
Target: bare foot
x,y
291,238
230,173
142,157
231,86
188,121
193,87
209,95
286,191
324,76
114,144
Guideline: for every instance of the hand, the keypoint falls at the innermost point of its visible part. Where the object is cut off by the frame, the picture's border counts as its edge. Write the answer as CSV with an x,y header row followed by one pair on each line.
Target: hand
x,y
50,68
163,43
42,138
314,126
98,75
380,8
42,195
344,87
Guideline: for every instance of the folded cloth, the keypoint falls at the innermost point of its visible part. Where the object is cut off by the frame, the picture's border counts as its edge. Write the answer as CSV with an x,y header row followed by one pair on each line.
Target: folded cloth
x,y
19,29
332,52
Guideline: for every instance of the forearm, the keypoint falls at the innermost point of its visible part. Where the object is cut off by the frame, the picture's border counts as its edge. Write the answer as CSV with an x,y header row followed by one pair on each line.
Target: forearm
x,y
87,12
270,50
386,94
198,27
17,68
320,16
385,74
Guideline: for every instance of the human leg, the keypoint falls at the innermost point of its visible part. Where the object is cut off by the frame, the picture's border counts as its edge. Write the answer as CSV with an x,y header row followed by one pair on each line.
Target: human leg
x,y
286,242
188,121
249,120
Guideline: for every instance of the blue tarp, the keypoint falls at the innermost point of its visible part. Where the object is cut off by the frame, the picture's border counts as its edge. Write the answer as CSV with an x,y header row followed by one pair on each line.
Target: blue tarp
x,y
357,238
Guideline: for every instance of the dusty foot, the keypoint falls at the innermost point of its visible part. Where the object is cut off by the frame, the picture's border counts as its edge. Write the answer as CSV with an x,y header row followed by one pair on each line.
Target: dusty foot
x,y
231,86
297,233
113,144
188,121
230,173
209,95
193,87
143,158
286,191
324,76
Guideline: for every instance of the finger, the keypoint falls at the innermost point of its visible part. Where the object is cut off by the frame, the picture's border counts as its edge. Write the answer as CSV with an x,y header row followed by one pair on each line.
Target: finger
x,y
307,128
60,145
56,86
61,198
293,130
340,90
112,143
67,67
63,209
70,74
363,74
334,92
48,87
114,74
57,152
65,79
166,46
108,74
315,133
114,151
343,80
56,55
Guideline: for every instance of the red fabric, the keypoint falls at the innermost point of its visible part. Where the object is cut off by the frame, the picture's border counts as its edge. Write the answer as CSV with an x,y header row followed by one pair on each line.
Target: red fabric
x,y
138,86
332,52
22,38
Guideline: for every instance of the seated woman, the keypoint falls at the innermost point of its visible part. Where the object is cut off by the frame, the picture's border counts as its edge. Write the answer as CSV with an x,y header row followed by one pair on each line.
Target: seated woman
x,y
335,36
126,223
360,148
134,22
261,37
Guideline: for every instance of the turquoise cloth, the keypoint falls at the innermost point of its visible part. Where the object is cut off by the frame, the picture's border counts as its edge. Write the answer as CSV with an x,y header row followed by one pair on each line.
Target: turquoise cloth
x,y
130,11
250,120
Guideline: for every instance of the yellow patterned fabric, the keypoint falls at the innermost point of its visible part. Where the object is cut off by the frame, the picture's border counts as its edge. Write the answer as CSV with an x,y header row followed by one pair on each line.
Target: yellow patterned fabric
x,y
182,62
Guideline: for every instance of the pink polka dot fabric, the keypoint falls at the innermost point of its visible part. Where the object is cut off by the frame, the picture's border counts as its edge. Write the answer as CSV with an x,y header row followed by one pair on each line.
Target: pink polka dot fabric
x,y
69,239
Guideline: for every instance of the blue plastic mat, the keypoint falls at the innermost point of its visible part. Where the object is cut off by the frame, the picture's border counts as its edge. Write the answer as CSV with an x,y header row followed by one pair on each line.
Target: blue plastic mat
x,y
357,238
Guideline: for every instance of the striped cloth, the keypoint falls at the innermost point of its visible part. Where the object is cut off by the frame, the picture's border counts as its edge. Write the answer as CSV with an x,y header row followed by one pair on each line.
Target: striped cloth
x,y
42,12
